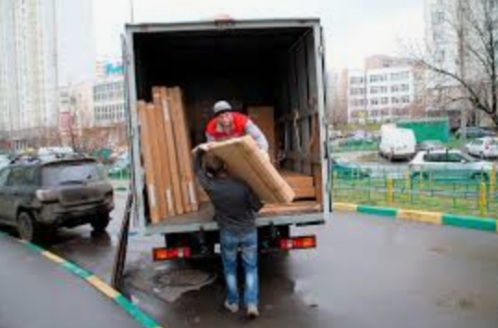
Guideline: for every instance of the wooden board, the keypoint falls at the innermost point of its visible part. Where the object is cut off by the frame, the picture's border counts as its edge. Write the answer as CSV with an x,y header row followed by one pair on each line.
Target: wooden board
x,y
244,160
150,173
264,118
169,140
180,128
167,152
159,169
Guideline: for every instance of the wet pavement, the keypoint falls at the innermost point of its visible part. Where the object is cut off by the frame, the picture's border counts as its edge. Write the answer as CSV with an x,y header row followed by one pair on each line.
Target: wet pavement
x,y
37,293
366,272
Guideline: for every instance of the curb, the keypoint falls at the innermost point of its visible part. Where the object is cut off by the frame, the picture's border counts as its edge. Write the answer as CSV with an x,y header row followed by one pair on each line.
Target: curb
x,y
143,319
437,218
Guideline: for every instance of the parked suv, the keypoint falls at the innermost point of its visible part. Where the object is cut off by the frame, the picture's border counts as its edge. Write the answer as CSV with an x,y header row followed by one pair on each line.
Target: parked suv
x,y
37,198
483,147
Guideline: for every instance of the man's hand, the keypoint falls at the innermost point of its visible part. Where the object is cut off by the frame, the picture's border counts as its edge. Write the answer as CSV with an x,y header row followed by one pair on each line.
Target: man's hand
x,y
204,147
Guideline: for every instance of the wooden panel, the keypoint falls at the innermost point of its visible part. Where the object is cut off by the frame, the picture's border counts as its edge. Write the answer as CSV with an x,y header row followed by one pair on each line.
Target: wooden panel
x,y
159,170
182,137
264,118
244,160
171,145
307,192
147,154
167,151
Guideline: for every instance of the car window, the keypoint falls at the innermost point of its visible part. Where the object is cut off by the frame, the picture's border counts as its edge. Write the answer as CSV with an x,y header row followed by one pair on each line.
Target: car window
x,y
71,173
434,158
17,177
3,176
455,158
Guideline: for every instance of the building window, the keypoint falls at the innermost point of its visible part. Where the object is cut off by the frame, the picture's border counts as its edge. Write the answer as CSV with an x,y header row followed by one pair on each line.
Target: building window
x,y
374,101
400,76
405,99
384,100
378,78
356,80
438,17
357,91
374,89
394,100
395,88
404,87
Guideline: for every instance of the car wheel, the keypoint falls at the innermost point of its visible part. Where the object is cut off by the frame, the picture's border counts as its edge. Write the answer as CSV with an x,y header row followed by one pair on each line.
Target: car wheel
x,y
100,223
29,229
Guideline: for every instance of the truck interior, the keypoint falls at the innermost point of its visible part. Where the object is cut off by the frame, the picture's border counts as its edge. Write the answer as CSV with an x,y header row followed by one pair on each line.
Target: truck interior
x,y
257,69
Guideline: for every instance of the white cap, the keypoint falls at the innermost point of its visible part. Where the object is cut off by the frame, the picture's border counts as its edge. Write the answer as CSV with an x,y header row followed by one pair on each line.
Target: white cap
x,y
221,106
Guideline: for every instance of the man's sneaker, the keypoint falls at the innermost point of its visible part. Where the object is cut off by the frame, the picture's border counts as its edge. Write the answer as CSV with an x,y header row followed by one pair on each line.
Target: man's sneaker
x,y
234,308
252,311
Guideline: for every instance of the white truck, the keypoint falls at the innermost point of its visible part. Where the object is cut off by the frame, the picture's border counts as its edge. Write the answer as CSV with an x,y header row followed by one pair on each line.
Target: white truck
x,y
250,63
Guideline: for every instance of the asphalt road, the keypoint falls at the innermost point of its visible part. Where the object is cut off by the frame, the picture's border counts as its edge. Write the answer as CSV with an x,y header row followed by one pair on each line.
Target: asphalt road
x,y
367,272
36,293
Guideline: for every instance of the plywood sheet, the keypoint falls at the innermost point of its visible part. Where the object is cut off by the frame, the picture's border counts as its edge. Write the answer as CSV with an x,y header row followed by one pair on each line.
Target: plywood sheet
x,y
264,118
245,160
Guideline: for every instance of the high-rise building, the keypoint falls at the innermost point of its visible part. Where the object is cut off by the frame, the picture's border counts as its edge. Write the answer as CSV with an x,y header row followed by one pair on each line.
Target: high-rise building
x,y
39,50
387,89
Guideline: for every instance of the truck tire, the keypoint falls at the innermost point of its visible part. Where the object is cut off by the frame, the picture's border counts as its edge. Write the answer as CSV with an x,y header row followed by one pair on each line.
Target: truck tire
x,y
29,229
100,223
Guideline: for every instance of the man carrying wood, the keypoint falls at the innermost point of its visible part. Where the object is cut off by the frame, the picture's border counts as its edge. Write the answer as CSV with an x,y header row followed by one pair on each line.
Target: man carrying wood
x,y
235,207
228,124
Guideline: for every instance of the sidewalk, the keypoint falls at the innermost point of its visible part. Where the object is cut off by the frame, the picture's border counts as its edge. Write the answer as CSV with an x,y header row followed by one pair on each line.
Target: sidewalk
x,y
37,293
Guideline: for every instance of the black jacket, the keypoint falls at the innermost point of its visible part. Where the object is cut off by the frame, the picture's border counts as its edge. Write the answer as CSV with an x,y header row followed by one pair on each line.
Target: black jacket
x,y
234,202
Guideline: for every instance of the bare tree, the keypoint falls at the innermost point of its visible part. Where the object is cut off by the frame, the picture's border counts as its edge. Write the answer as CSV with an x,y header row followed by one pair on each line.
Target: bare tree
x,y
464,74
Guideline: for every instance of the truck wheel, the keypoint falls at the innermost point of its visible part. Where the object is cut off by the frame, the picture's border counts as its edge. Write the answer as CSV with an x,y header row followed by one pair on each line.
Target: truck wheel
x,y
100,223
29,229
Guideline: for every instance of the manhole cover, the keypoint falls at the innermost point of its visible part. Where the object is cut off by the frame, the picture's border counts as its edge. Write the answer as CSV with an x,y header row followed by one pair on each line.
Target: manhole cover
x,y
182,278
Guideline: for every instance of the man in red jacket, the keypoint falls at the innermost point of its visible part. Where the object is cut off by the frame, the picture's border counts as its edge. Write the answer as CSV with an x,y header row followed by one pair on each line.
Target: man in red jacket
x,y
228,124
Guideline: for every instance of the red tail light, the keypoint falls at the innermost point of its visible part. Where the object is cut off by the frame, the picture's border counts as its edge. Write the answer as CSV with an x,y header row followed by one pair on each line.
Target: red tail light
x,y
163,254
298,243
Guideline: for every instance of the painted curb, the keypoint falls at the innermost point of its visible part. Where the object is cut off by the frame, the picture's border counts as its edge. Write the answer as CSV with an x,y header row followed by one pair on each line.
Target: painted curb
x,y
437,218
143,319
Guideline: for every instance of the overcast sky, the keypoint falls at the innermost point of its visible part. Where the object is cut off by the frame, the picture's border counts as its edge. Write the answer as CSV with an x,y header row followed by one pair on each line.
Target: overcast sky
x,y
354,29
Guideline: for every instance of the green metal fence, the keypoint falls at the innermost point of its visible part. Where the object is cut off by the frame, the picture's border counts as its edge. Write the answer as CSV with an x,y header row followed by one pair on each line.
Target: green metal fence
x,y
456,192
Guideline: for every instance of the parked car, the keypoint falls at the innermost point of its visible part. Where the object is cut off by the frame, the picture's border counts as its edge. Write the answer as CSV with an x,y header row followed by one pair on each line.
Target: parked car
x,y
430,145
346,170
486,147
397,143
39,197
448,164
4,160
476,132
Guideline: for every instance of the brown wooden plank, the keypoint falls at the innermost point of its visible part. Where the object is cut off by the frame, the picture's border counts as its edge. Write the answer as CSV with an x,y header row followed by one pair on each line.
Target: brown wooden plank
x,y
159,172
150,178
172,146
182,136
168,167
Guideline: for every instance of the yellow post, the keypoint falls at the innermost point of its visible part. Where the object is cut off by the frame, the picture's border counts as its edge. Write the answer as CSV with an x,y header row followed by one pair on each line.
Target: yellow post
x,y
482,199
492,180
390,193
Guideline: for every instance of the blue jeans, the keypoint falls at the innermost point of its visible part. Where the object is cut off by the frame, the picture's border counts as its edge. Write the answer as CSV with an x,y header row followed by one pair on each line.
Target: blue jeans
x,y
248,243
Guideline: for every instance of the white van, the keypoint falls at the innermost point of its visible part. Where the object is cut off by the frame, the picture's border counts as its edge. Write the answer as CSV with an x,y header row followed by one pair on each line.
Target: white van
x,y
397,143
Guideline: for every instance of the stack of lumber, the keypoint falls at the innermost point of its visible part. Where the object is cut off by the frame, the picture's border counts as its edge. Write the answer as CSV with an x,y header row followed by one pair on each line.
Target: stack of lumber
x,y
166,155
245,161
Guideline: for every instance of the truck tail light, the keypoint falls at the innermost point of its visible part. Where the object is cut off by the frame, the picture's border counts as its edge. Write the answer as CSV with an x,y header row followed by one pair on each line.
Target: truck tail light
x,y
304,242
163,253
44,195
